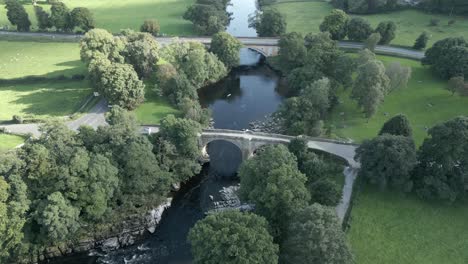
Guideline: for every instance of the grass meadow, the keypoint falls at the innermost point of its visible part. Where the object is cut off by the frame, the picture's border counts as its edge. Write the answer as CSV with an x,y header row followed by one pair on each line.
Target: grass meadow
x,y
388,228
8,142
425,102
115,15
306,16
154,108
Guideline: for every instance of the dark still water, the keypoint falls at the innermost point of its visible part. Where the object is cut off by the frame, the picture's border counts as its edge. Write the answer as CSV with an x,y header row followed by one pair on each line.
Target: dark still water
x,y
249,93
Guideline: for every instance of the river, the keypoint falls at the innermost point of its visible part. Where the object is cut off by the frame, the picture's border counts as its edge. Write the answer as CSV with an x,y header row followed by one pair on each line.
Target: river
x,y
248,94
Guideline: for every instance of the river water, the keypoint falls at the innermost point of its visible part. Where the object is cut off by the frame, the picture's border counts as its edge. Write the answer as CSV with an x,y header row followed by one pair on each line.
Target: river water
x,y
248,94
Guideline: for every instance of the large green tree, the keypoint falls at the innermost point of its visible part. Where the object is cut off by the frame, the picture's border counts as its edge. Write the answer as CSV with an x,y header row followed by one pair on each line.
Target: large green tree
x,y
302,114
232,237
398,125
272,181
43,18
358,29
142,52
269,23
17,15
99,43
227,48
387,31
387,161
442,171
292,51
208,19
60,17
371,86
83,18
314,235
448,57
336,24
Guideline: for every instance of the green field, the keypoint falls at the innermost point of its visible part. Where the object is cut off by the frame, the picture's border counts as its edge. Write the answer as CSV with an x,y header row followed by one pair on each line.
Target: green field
x,y
425,102
388,228
8,142
50,59
154,108
306,16
115,15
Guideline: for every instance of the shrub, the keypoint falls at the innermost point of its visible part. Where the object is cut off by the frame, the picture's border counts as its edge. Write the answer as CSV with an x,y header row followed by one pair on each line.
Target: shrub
x,y
17,119
151,26
434,22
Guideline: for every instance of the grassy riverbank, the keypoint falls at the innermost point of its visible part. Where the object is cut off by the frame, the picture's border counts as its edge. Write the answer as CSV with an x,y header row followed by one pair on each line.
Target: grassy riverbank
x,y
389,228
306,16
115,15
425,102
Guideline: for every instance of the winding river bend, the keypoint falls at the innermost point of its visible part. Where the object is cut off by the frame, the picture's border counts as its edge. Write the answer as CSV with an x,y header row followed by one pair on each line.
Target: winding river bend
x,y
247,94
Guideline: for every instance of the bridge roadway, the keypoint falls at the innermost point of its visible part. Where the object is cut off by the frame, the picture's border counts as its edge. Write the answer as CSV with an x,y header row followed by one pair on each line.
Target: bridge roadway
x,y
257,43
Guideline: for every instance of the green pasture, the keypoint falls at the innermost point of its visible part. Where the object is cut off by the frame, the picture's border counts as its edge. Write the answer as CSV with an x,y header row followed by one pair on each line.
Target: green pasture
x,y
115,15
154,108
306,16
8,142
388,228
425,102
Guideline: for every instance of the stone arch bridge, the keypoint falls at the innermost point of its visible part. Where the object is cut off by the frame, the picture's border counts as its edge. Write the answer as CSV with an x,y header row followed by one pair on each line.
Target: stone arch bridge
x,y
248,142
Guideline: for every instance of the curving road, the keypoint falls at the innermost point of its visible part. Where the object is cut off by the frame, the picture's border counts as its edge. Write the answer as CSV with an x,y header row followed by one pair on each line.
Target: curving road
x,y
247,41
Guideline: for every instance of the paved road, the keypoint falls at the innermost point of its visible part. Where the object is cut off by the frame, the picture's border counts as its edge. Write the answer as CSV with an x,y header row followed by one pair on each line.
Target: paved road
x,y
94,118
388,50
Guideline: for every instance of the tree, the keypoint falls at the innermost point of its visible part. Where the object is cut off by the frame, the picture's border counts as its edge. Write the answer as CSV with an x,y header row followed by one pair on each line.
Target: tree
x,y
292,51
191,58
372,41
358,29
43,18
232,237
119,84
207,19
398,125
398,75
178,145
269,23
443,162
273,183
325,192
180,88
448,57
83,18
99,43
315,236
151,26
335,23
387,161
421,41
17,15
60,17
227,48
300,77
142,52
370,86
302,115
191,109
387,30
457,84
57,219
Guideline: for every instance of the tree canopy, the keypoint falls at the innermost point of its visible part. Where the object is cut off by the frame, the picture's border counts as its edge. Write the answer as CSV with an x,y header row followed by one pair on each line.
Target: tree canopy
x,y
232,237
398,125
17,15
448,57
269,23
226,48
336,24
358,29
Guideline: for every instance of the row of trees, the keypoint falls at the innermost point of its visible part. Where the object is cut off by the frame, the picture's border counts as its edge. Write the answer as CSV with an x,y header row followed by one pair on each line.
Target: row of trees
x,y
297,229
60,17
208,16
340,25
316,68
438,170
66,185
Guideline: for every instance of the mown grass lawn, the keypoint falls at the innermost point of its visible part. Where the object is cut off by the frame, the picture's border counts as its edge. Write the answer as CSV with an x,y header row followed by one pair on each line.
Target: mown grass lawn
x,y
42,99
425,102
154,108
306,16
8,142
390,228
115,15
47,59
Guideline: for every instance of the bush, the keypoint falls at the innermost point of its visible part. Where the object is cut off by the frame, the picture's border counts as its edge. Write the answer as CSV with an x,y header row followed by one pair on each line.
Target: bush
x,y
17,119
151,26
434,22
421,41
325,192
